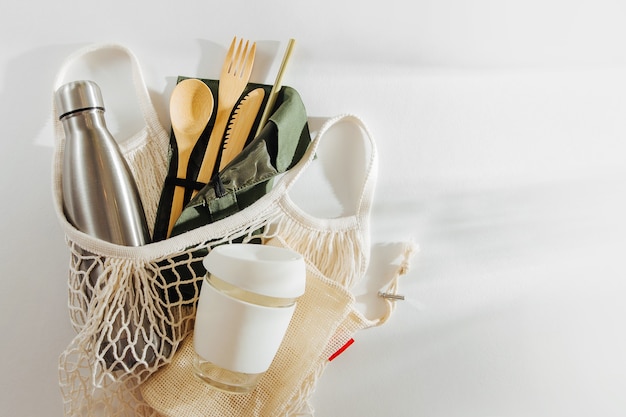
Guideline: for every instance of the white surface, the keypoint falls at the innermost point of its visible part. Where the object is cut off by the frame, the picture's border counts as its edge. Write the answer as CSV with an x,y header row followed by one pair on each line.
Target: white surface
x,y
500,126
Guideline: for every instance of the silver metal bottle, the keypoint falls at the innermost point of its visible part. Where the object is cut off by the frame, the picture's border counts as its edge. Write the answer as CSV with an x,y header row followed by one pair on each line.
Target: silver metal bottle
x,y
100,195
100,198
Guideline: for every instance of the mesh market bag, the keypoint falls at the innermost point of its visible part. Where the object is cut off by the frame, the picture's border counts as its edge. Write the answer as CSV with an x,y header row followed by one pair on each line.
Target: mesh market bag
x,y
125,302
134,320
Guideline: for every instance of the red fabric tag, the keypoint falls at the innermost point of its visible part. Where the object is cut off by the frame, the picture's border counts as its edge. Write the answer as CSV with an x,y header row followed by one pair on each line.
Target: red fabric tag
x,y
341,349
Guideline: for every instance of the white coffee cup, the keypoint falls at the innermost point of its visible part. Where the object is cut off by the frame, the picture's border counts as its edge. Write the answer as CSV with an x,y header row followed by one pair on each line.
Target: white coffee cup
x,y
246,302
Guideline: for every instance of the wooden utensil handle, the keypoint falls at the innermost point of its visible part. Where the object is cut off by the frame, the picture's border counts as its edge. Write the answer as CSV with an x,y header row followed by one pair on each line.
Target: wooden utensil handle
x,y
213,147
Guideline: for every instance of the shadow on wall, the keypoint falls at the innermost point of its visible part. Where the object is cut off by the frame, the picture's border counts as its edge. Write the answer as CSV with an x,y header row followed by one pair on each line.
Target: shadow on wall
x,y
26,95
25,105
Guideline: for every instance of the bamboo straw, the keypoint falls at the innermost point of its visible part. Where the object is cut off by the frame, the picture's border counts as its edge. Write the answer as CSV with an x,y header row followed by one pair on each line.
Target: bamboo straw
x,y
276,87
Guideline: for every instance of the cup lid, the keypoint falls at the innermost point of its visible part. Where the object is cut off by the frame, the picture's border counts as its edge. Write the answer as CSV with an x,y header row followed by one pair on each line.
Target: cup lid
x,y
78,95
262,269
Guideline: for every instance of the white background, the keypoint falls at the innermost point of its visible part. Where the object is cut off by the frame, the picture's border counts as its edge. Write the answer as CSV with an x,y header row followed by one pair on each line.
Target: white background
x,y
501,129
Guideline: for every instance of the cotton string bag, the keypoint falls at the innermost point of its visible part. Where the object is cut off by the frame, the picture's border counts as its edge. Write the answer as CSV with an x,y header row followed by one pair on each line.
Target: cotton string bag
x,y
337,252
124,305
129,300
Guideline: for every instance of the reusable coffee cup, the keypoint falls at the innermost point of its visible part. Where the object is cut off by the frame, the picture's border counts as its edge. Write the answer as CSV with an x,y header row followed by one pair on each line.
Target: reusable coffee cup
x,y
246,302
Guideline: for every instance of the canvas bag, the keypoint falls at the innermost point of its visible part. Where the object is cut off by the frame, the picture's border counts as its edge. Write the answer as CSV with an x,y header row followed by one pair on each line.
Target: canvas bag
x,y
337,252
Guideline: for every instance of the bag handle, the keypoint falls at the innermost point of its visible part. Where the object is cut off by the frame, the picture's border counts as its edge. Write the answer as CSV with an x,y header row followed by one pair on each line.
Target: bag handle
x,y
279,191
389,293
146,106
366,194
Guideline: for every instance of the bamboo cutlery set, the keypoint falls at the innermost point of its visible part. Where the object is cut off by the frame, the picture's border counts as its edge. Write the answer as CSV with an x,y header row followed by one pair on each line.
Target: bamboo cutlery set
x,y
193,105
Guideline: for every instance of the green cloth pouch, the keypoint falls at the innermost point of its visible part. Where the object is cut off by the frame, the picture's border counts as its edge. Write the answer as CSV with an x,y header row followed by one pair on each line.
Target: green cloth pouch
x,y
281,143
279,146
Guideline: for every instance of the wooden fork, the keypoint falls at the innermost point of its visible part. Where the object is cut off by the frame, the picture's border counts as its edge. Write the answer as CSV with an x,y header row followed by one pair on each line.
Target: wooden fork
x,y
233,80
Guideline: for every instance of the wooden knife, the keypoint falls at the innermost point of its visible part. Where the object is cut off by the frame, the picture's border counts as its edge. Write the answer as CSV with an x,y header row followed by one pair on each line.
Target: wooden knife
x,y
240,125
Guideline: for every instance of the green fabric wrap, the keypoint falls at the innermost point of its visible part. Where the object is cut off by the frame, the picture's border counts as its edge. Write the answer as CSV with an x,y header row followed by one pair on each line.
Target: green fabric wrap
x,y
278,147
280,144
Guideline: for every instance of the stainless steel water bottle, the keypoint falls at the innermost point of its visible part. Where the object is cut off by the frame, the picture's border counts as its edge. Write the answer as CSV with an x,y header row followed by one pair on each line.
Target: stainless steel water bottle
x,y
100,198
100,195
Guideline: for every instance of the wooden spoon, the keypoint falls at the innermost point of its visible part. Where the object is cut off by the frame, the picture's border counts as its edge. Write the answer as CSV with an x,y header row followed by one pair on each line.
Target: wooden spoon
x,y
191,105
